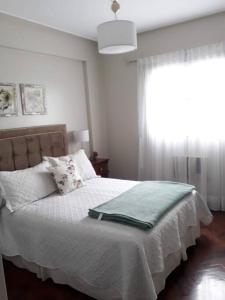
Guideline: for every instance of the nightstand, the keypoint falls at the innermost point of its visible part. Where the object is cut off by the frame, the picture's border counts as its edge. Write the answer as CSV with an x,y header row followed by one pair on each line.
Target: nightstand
x,y
3,294
101,166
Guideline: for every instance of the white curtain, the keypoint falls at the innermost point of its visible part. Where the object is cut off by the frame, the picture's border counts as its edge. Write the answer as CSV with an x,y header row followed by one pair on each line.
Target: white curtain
x,y
181,103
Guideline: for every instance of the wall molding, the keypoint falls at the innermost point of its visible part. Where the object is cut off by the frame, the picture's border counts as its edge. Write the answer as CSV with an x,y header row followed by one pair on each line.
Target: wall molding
x,y
41,53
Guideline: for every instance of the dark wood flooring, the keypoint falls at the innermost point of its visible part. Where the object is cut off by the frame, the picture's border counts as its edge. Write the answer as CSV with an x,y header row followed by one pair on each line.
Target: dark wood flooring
x,y
202,277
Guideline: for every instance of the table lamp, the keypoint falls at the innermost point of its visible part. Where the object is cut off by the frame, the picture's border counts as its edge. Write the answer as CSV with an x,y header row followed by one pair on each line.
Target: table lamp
x,y
81,137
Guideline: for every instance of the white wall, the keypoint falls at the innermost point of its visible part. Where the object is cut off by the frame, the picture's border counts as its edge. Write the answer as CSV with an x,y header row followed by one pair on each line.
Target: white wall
x,y
64,81
69,68
120,85
109,84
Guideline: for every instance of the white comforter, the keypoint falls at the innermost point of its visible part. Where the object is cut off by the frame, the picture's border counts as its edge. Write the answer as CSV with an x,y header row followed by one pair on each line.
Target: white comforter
x,y
57,233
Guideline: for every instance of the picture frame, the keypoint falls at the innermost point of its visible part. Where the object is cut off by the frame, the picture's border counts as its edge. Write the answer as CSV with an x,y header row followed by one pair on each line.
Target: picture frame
x,y
8,100
33,99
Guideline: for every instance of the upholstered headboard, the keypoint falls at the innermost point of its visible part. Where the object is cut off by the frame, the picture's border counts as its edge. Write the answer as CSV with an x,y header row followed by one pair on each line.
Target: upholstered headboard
x,y
22,148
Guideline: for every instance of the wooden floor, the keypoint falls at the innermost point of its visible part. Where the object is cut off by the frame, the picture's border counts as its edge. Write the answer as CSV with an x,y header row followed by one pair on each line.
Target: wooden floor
x,y
202,277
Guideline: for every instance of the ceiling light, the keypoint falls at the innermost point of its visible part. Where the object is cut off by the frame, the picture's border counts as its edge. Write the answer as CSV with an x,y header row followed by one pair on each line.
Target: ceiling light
x,y
118,36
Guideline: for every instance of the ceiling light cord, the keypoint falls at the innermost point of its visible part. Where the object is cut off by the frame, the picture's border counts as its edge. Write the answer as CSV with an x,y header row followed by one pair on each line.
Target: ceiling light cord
x,y
115,8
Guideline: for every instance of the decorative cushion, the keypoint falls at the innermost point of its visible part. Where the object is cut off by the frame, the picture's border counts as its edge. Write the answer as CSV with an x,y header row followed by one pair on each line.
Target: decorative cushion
x,y
21,187
66,176
80,160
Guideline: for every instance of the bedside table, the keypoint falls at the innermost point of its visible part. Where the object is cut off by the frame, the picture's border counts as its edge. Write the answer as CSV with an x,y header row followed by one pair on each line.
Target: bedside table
x,y
101,166
3,294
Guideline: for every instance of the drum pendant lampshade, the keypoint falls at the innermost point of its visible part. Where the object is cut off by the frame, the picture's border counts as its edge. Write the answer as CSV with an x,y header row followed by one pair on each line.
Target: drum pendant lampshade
x,y
118,36
115,37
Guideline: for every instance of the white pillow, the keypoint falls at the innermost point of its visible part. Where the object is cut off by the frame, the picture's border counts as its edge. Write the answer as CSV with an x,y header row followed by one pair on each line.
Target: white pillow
x,y
81,161
22,187
84,165
55,161
66,176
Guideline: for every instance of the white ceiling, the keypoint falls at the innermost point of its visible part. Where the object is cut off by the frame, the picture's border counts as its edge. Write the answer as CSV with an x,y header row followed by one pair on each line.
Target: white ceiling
x,y
81,17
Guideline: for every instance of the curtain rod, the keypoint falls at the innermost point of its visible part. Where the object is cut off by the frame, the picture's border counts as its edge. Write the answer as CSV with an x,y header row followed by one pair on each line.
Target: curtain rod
x,y
183,49
132,61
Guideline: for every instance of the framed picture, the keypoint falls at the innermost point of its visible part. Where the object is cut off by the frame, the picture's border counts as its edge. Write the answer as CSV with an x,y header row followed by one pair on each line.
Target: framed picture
x,y
33,99
8,102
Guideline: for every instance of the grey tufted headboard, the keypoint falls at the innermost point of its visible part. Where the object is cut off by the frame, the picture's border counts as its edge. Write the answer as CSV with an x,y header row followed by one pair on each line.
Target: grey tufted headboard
x,y
22,148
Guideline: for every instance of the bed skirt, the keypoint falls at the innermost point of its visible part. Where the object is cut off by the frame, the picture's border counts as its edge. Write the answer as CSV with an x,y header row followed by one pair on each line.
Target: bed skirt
x,y
60,277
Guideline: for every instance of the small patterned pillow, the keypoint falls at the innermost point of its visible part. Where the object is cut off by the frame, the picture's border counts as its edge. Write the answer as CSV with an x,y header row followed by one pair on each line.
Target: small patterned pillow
x,y
66,176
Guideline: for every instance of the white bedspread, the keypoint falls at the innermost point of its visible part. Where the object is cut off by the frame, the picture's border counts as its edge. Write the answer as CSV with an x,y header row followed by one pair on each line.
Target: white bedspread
x,y
57,233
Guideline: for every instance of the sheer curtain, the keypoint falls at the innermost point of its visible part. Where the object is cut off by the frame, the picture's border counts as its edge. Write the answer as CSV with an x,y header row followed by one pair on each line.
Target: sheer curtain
x,y
181,103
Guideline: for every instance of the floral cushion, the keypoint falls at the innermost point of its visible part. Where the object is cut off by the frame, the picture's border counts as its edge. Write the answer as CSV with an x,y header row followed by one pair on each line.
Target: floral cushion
x,y
80,159
66,176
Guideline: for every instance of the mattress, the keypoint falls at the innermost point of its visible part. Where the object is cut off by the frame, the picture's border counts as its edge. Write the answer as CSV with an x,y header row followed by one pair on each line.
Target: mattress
x,y
116,261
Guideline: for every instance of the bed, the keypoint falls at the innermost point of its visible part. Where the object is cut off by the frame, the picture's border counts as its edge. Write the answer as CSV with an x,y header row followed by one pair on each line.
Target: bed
x,y
55,238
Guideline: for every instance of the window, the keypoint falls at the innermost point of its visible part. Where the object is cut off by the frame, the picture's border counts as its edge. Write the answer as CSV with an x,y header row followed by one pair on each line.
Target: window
x,y
187,99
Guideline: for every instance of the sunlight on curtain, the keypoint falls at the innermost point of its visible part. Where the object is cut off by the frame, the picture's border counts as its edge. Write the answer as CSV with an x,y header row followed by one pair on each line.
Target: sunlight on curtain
x,y
181,101
187,100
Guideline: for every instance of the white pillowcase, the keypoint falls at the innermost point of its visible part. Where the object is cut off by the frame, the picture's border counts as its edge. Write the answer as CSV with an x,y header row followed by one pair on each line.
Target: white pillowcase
x,y
84,165
66,176
81,161
21,187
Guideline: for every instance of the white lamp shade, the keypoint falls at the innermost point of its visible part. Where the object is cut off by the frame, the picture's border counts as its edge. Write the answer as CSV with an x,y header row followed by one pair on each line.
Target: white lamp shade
x,y
81,136
117,37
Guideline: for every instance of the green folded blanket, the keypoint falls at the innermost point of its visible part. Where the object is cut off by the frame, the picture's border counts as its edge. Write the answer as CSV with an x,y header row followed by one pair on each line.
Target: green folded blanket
x,y
144,204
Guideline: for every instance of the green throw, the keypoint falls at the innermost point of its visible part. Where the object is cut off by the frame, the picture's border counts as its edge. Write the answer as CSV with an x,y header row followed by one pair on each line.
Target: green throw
x,y
143,205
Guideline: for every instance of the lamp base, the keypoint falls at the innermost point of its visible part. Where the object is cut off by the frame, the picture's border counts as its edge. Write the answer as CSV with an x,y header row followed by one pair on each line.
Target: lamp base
x,y
94,156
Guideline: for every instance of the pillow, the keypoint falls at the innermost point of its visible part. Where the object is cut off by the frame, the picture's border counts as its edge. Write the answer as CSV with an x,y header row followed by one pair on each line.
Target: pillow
x,y
84,165
55,161
66,176
22,187
81,161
